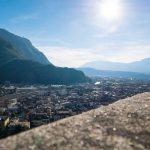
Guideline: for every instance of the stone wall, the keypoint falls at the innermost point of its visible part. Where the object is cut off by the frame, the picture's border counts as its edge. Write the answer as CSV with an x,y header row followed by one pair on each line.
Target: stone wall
x,y
123,125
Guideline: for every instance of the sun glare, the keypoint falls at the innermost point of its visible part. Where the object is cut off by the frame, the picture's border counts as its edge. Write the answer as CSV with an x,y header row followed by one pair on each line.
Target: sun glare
x,y
110,10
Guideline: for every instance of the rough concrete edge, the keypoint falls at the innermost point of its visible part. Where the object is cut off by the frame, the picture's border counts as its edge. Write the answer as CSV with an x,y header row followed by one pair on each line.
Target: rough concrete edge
x,y
132,98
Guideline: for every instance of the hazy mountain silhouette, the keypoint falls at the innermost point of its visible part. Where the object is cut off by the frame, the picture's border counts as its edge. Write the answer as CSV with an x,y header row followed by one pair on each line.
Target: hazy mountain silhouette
x,y
17,66
119,74
138,66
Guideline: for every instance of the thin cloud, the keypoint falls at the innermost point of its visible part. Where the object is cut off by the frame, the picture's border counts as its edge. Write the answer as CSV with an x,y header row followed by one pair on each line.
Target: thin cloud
x,y
24,18
71,57
49,42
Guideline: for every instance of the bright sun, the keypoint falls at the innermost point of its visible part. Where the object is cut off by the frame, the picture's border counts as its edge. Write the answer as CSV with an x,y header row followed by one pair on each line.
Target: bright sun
x,y
110,10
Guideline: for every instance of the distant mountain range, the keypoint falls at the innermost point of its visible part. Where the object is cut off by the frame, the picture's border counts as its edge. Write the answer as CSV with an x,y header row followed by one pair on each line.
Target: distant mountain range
x,y
142,66
21,62
117,74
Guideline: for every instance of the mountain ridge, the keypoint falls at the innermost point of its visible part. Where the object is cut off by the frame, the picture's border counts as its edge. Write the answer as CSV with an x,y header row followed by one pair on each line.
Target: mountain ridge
x,y
17,68
137,66
31,72
7,52
24,47
91,72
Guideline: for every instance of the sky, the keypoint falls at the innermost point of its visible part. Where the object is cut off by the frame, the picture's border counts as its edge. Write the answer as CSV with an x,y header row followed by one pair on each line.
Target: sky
x,y
73,32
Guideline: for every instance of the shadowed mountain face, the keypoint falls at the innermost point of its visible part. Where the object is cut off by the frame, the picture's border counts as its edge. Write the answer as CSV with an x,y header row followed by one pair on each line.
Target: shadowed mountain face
x,y
30,72
138,66
7,52
20,62
24,47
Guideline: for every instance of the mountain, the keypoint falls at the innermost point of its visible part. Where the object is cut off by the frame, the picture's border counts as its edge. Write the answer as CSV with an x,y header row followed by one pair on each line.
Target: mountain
x,y
24,47
7,52
16,67
30,72
119,74
138,66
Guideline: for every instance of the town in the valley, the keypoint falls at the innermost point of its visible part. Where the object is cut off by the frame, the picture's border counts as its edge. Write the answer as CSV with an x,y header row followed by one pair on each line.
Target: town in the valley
x,y
24,107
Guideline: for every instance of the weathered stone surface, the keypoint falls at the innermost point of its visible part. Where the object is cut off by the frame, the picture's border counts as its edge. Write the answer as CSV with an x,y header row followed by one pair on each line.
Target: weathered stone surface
x,y
124,125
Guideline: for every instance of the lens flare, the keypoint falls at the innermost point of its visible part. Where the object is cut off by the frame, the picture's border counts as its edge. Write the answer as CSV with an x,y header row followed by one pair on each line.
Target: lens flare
x,y
110,10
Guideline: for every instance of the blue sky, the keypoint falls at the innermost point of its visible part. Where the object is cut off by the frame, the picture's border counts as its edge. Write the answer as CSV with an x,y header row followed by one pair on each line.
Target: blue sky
x,y
73,32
